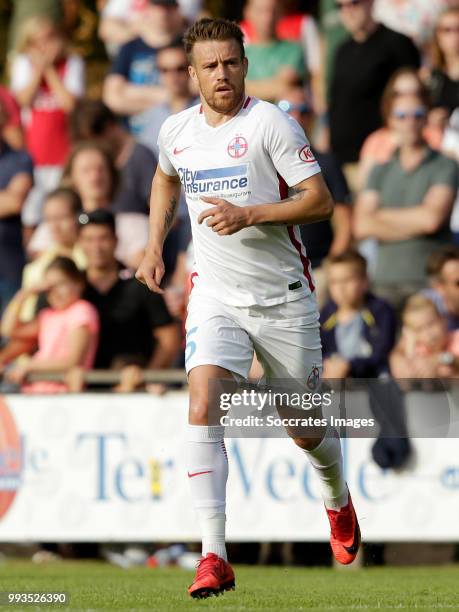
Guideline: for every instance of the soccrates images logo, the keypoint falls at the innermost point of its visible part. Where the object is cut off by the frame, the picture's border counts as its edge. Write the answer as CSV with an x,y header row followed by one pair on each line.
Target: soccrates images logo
x,y
10,459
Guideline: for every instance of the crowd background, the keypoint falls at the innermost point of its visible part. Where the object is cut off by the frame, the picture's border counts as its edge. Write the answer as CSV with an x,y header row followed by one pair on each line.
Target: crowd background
x,y
86,87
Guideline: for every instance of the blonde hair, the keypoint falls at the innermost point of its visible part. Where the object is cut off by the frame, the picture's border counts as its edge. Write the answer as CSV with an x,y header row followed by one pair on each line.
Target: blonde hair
x,y
417,303
31,27
438,57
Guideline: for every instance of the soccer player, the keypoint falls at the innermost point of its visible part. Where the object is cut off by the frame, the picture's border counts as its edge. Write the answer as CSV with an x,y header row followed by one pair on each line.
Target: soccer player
x,y
236,157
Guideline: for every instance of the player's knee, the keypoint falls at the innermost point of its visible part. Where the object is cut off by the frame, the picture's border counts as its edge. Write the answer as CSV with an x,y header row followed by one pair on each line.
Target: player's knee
x,y
198,413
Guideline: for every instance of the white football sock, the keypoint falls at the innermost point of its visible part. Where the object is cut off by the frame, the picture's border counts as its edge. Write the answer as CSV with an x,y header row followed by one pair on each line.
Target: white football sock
x,y
208,473
327,461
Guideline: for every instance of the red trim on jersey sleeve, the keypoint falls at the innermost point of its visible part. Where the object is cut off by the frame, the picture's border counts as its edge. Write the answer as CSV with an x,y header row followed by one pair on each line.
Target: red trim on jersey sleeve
x,y
283,192
193,275
283,187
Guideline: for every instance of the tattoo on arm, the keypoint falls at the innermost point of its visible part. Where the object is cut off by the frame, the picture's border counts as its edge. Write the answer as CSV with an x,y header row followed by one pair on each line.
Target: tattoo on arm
x,y
297,195
170,214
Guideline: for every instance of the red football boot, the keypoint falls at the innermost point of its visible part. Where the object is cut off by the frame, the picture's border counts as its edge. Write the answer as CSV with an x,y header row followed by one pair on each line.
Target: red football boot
x,y
345,533
213,576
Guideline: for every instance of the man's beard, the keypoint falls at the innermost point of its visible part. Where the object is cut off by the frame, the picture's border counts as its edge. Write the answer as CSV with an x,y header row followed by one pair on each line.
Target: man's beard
x,y
225,105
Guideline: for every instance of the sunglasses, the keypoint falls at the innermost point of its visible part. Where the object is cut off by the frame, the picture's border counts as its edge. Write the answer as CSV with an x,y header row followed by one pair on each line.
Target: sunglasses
x,y
418,114
449,29
351,3
176,69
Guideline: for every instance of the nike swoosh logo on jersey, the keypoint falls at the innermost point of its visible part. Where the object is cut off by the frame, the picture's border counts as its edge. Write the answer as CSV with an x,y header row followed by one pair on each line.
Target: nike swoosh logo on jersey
x,y
178,151
198,473
355,544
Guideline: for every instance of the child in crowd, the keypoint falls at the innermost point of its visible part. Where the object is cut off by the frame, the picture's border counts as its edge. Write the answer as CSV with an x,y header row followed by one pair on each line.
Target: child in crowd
x,y
66,331
60,213
357,328
426,349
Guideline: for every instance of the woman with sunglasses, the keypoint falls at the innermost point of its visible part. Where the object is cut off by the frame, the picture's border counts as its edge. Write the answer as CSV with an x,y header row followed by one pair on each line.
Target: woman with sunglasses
x,y
66,331
379,146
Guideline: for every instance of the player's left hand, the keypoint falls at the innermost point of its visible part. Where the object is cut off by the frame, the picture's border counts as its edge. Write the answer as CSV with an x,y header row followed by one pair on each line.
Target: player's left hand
x,y
224,218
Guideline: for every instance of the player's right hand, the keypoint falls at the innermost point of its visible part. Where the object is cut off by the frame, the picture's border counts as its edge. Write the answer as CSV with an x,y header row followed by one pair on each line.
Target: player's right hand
x,y
151,271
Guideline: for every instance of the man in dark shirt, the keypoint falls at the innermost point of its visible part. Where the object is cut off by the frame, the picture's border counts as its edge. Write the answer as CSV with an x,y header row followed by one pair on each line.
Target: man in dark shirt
x,y
136,327
16,173
361,69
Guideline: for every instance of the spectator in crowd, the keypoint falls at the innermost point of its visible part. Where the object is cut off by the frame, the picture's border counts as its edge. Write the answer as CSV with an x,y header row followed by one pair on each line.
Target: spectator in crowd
x,y
362,67
358,333
67,330
92,120
23,10
444,78
172,65
91,172
330,237
274,65
426,349
117,24
297,27
443,274
380,145
357,328
118,20
414,18
46,80
60,212
12,130
16,177
406,204
136,327
133,83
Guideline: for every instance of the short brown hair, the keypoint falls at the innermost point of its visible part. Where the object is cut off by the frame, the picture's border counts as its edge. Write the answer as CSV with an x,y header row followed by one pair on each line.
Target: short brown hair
x,y
212,29
439,258
351,257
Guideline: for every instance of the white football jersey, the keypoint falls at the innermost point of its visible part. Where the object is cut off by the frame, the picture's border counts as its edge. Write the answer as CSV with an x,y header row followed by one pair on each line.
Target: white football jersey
x,y
251,159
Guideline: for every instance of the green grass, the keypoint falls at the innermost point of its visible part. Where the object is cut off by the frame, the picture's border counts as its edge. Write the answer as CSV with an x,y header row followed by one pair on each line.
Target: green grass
x,y
99,586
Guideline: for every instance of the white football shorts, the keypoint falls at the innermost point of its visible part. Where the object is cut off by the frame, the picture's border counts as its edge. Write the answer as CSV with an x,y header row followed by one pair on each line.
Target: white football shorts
x,y
285,338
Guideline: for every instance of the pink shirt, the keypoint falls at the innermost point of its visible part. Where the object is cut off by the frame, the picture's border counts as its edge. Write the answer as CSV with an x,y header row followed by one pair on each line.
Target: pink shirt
x,y
55,327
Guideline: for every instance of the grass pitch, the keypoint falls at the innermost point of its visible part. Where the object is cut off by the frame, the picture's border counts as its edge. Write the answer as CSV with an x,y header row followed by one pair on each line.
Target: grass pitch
x,y
99,586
